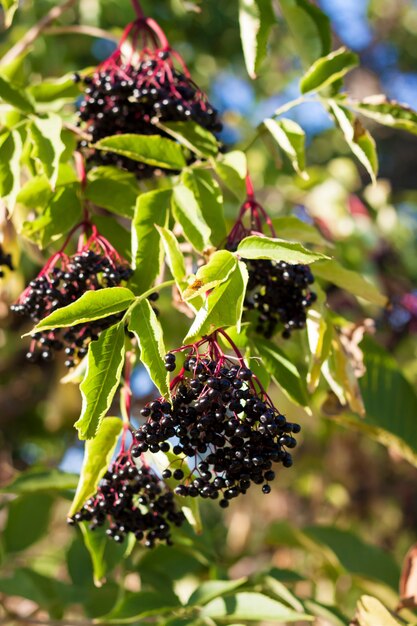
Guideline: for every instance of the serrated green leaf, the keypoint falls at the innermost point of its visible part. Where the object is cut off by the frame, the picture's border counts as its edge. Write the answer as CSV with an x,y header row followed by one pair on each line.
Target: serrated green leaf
x,y
15,96
292,228
11,148
255,247
174,256
152,209
232,169
251,606
150,149
113,189
309,27
97,456
221,264
144,324
328,69
255,19
211,589
9,7
210,200
40,480
105,362
357,137
62,212
193,136
283,371
48,145
188,214
222,307
387,112
353,282
93,305
291,139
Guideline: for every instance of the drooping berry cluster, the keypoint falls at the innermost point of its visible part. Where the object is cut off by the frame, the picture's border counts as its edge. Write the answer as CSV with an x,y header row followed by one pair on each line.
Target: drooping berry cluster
x,y
277,291
5,261
222,422
134,92
63,280
132,500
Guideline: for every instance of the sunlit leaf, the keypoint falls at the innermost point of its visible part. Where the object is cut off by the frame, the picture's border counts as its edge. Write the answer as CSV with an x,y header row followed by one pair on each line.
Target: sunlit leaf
x,y
255,18
328,70
291,139
153,150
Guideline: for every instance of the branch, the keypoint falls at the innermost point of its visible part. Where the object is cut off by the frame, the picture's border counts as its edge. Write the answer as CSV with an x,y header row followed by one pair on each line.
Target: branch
x,y
89,31
34,32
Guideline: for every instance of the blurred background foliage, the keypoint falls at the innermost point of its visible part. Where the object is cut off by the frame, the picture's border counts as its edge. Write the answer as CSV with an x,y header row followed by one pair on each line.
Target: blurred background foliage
x,y
341,521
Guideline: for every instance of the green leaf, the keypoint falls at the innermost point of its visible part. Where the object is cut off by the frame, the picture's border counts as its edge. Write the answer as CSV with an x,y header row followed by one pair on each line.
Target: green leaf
x,y
150,149
255,19
250,606
328,69
357,137
62,212
309,27
292,228
55,89
104,554
193,136
371,612
40,480
211,589
390,402
113,189
97,456
222,263
49,593
276,588
141,604
27,521
222,307
329,614
92,305
352,282
174,256
48,145
11,148
291,139
144,323
232,169
9,7
387,112
255,247
147,253
320,334
355,555
188,214
283,371
15,96
105,362
210,200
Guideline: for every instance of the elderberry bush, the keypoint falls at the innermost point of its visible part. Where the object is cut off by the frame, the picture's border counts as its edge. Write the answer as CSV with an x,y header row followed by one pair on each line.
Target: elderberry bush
x,y
56,287
223,423
132,500
127,99
280,294
5,261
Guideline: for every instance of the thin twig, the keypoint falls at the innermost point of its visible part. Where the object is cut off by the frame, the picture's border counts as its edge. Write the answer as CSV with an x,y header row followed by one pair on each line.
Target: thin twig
x,y
33,33
89,31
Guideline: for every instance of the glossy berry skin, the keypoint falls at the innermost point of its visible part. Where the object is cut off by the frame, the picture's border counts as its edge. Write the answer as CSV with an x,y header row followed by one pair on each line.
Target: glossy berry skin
x,y
133,500
129,99
60,285
223,424
279,294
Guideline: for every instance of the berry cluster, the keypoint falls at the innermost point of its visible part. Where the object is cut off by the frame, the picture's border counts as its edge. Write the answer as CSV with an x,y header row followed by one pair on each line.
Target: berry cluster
x,y
134,94
63,280
5,261
222,421
278,291
133,500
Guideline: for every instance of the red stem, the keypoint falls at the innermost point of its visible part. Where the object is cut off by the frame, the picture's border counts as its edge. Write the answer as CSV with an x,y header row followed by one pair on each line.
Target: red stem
x,y
138,9
249,187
